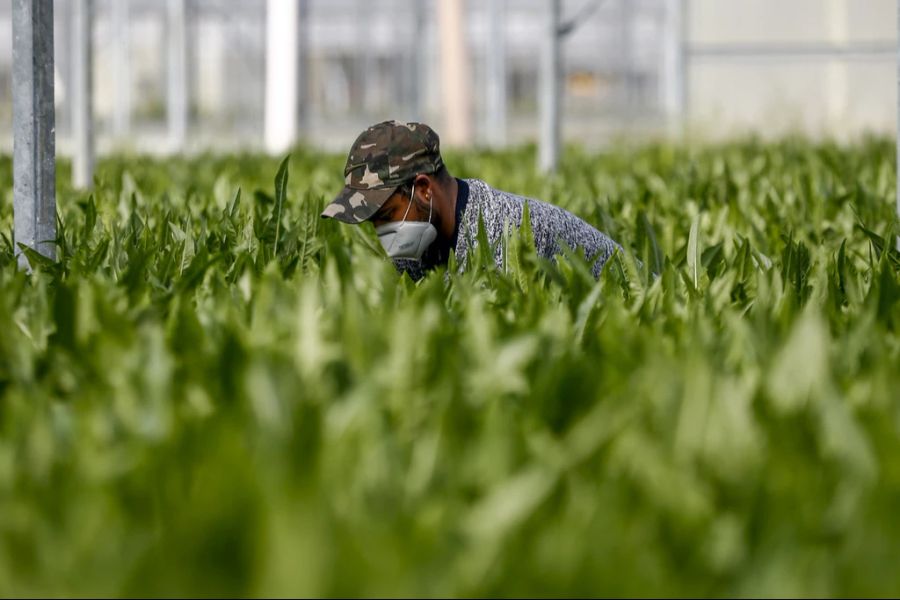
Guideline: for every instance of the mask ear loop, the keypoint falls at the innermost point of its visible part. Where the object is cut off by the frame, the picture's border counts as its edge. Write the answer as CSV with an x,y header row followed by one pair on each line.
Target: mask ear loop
x,y
412,191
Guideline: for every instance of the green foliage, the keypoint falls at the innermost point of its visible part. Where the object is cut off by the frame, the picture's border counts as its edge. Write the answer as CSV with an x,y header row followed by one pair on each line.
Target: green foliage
x,y
215,392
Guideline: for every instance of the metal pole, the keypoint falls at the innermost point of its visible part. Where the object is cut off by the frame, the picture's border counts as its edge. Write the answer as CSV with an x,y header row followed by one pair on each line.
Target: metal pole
x,y
34,143
302,107
626,66
122,68
367,62
82,93
455,73
898,120
282,18
685,62
673,66
550,92
495,125
176,92
420,44
836,72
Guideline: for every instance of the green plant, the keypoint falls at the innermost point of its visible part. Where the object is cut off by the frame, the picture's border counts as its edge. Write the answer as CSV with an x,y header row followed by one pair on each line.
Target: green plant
x,y
215,392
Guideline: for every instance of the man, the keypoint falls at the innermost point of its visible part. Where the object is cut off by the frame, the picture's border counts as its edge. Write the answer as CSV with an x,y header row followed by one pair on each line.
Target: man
x,y
395,178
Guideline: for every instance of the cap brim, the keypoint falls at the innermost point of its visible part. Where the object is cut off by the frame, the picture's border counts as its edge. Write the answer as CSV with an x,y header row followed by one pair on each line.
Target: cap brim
x,y
355,206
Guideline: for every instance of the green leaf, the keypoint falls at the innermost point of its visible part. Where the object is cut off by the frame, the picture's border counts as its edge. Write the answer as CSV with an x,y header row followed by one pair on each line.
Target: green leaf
x,y
281,180
37,260
694,258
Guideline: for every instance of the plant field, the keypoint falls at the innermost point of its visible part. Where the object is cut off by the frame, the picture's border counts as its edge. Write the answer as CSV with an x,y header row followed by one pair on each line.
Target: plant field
x,y
216,392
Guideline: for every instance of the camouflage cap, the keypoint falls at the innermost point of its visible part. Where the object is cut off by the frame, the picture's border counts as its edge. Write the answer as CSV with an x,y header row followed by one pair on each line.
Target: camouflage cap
x,y
383,157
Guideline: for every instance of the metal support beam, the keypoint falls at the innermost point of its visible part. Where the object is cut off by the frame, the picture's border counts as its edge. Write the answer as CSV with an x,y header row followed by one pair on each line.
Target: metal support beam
x,y
303,65
34,142
836,80
455,80
419,41
495,113
367,64
674,71
122,69
877,50
626,57
82,93
282,74
549,88
176,89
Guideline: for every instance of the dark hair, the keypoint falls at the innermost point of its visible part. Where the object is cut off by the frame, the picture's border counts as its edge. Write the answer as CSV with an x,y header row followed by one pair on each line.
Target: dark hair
x,y
442,174
406,188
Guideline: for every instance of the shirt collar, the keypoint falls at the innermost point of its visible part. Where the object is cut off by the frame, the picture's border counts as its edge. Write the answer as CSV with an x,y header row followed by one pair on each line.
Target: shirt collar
x,y
462,199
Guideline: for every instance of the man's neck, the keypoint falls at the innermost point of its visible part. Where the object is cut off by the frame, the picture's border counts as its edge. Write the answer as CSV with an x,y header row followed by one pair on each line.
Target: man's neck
x,y
448,214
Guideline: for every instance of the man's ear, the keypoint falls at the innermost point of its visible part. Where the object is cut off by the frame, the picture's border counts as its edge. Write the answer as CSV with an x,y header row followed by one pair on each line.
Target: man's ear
x,y
424,188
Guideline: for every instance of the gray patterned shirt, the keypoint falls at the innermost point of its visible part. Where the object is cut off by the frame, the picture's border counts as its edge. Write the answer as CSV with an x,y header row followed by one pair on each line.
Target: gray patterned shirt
x,y
552,227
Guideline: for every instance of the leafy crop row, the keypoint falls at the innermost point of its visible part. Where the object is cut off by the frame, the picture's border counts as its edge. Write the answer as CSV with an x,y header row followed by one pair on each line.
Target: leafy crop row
x,y
215,392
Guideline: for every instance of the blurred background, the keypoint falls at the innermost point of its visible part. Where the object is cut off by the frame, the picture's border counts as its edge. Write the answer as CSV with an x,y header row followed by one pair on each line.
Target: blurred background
x,y
631,69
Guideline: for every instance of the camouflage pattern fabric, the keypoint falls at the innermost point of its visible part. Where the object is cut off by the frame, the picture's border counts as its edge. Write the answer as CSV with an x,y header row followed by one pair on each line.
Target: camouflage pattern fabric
x,y
383,157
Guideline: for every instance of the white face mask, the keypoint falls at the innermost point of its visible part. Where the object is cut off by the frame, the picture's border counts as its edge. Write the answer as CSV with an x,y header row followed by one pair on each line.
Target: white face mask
x,y
407,239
